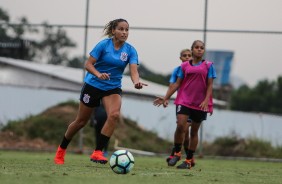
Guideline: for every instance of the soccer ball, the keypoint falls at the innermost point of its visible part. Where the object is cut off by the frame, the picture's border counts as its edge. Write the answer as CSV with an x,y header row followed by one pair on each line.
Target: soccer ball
x,y
122,161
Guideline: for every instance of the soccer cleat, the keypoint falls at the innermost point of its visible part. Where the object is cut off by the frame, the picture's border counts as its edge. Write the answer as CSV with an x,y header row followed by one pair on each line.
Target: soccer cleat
x,y
98,157
168,158
60,156
176,157
185,164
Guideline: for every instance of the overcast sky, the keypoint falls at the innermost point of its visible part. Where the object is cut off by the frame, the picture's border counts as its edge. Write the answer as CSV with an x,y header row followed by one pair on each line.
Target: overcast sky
x,y
256,56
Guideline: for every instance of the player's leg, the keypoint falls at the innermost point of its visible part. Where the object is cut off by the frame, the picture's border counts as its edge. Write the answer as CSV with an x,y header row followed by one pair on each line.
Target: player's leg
x,y
197,118
173,148
187,141
171,154
194,137
99,125
187,164
98,129
187,137
112,104
81,120
100,119
178,138
176,145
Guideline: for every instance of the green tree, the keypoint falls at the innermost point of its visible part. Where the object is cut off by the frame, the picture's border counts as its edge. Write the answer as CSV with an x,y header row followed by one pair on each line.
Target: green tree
x,y
277,96
14,34
264,97
76,62
4,19
53,48
238,98
263,93
147,74
55,44
22,28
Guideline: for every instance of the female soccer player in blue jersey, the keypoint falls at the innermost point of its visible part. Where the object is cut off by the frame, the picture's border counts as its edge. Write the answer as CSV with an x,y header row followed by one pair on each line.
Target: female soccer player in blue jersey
x,y
105,67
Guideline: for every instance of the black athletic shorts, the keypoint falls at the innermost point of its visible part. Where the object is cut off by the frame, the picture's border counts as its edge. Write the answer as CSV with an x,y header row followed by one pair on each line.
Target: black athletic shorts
x,y
196,116
91,96
188,120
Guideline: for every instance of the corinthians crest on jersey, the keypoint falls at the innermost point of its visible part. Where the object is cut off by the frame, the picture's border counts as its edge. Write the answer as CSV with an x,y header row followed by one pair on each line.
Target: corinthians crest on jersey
x,y
123,56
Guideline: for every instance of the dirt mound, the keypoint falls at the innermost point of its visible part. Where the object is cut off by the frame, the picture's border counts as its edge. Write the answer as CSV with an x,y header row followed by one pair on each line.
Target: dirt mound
x,y
11,141
45,131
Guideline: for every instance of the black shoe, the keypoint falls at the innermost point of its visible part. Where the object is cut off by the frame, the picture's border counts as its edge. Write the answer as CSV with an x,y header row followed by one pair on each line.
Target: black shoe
x,y
168,158
174,159
185,165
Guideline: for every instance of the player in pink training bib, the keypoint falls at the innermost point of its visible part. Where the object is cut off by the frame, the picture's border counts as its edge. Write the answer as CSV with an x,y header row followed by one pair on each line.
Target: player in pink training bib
x,y
193,100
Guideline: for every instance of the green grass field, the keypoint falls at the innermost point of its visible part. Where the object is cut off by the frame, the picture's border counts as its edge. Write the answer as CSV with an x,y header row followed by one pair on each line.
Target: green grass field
x,y
37,167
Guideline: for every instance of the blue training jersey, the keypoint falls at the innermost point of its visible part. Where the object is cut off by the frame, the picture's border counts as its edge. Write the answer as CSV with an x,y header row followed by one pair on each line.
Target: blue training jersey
x,y
211,72
173,77
110,61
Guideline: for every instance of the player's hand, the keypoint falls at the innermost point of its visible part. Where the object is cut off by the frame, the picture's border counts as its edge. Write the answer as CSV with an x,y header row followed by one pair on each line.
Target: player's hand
x,y
204,106
158,101
165,104
139,85
104,76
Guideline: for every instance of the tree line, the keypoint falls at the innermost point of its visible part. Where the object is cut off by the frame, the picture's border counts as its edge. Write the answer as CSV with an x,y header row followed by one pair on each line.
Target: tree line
x,y
55,44
265,96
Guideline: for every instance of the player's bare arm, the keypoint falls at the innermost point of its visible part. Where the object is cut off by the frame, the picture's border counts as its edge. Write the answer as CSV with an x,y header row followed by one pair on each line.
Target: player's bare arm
x,y
135,77
205,103
89,66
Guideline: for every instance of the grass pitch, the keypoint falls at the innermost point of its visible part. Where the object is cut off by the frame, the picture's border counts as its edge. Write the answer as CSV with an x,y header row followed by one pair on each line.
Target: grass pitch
x,y
38,167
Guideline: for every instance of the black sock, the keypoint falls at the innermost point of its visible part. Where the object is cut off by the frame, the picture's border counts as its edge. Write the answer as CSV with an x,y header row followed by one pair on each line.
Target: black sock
x,y
186,151
102,142
65,143
177,147
172,151
190,154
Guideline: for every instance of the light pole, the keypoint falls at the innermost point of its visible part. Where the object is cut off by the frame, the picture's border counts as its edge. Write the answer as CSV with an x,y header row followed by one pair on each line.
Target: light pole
x,y
80,140
205,41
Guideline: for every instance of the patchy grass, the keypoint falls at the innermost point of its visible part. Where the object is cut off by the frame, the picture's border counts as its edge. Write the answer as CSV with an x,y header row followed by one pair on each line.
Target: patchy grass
x,y
38,167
